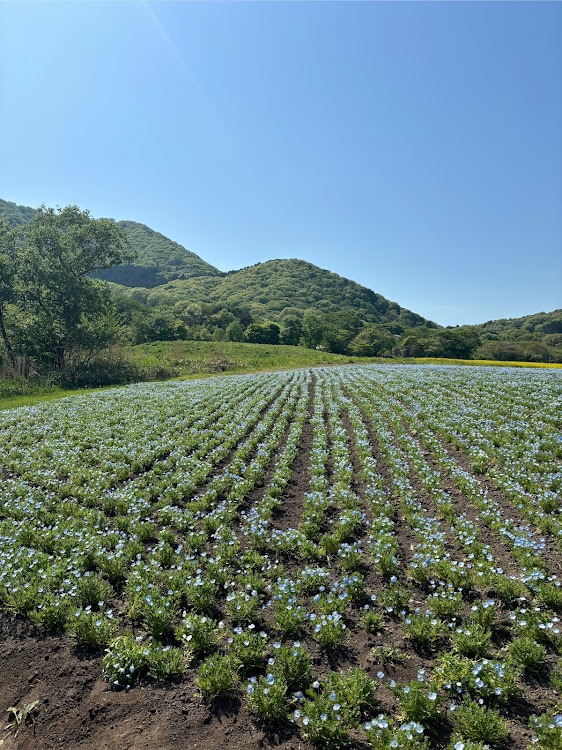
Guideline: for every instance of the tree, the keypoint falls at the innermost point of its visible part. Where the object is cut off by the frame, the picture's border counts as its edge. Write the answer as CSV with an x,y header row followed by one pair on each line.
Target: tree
x,y
291,330
234,331
7,280
61,307
263,333
339,330
372,341
312,329
159,326
458,343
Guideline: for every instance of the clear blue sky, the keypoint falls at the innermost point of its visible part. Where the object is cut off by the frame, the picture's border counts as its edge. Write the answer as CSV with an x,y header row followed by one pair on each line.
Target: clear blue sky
x,y
413,147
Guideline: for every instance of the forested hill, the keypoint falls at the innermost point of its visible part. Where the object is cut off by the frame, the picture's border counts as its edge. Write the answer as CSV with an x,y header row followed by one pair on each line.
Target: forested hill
x,y
167,292
165,273
548,323
281,287
158,260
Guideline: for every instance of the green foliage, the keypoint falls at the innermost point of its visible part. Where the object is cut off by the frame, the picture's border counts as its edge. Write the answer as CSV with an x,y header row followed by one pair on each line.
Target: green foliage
x,y
479,723
262,333
418,702
164,661
372,341
293,664
57,307
266,697
527,653
218,675
125,660
382,734
321,720
93,629
355,692
471,639
547,731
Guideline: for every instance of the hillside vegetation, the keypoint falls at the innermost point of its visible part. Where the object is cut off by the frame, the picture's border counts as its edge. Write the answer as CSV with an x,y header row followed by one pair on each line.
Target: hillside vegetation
x,y
280,287
157,258
59,315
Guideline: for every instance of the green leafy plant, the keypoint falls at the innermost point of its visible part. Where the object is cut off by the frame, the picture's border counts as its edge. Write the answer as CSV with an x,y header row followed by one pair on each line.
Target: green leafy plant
x,y
471,639
125,660
265,697
527,653
418,701
218,675
93,629
200,634
547,731
293,664
355,692
479,723
382,734
164,661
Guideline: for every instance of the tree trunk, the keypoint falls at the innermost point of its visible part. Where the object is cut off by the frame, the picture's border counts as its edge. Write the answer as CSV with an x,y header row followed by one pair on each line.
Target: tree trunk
x,y
6,340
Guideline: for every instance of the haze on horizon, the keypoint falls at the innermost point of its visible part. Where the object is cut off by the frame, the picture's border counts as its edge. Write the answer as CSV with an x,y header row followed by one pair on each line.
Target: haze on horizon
x,y
412,147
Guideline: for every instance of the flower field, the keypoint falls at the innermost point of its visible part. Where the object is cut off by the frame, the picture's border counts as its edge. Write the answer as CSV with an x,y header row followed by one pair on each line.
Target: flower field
x,y
363,556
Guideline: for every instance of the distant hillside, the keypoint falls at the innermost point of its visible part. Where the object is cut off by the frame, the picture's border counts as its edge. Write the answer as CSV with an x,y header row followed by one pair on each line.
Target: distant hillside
x,y
284,286
165,273
16,215
158,261
169,293
515,328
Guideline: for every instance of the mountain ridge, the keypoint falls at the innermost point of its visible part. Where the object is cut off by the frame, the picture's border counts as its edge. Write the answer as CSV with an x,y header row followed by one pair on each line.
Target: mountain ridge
x,y
166,273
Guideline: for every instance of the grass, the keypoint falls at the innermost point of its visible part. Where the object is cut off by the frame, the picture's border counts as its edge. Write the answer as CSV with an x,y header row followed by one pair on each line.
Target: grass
x,y
195,359
54,393
202,357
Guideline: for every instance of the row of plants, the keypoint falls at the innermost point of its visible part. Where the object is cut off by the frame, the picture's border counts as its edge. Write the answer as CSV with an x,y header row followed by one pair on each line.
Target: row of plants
x,y
162,523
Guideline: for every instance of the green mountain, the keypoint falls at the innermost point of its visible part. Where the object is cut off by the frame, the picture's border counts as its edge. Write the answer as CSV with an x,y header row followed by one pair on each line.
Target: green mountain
x,y
542,323
280,287
16,215
158,261
165,273
173,293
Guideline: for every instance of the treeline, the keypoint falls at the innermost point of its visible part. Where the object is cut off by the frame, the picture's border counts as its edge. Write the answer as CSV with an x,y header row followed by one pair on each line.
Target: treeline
x,y
59,321
338,333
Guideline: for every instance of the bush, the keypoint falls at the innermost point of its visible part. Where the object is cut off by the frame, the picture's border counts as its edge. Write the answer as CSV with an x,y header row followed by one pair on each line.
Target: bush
x,y
479,723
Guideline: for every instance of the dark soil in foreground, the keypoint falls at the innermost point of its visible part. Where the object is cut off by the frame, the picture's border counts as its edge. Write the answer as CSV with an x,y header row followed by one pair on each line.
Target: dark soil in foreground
x,y
77,709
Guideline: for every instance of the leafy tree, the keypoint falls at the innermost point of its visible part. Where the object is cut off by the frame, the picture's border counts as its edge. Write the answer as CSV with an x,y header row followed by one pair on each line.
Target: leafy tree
x,y
158,326
312,329
458,343
7,279
339,330
263,333
411,346
234,331
372,341
60,307
291,330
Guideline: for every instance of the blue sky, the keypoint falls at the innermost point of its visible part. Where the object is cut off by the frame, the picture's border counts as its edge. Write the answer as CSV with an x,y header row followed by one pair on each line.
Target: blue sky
x,y
414,147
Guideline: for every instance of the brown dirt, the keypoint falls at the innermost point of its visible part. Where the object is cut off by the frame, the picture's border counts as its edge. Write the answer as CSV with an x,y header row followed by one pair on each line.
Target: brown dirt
x,y
78,710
